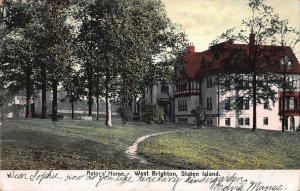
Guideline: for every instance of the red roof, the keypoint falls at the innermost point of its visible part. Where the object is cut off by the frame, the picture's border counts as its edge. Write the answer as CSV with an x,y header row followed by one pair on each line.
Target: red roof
x,y
224,56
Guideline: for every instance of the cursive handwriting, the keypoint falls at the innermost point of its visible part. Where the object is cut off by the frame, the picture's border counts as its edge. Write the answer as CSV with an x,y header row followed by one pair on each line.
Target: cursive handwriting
x,y
214,181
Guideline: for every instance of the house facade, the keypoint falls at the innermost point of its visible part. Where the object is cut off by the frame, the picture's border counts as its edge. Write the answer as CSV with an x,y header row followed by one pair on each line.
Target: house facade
x,y
201,84
161,94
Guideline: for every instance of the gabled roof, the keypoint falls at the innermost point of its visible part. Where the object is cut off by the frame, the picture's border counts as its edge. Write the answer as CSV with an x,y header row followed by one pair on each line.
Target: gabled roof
x,y
224,56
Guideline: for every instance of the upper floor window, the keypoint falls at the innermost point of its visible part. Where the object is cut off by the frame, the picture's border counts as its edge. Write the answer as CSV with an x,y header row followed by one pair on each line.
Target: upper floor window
x,y
181,85
242,103
266,105
286,62
243,81
290,81
209,82
227,103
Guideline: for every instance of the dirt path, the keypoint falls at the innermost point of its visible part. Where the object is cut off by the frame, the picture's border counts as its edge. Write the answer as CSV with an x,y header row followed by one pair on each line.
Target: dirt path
x,y
131,152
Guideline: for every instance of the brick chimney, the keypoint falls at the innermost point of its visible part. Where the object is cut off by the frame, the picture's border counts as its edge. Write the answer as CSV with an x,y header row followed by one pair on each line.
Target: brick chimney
x,y
191,48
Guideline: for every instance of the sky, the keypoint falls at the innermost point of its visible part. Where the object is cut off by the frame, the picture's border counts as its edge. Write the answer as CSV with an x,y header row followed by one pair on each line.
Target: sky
x,y
204,20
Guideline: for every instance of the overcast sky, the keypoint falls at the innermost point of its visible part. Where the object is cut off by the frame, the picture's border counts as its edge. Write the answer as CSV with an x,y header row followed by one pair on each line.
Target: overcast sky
x,y
204,20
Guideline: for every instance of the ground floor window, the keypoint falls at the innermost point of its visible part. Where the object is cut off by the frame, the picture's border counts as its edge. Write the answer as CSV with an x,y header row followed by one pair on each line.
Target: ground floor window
x,y
247,121
182,120
182,105
266,121
227,121
244,121
210,122
241,121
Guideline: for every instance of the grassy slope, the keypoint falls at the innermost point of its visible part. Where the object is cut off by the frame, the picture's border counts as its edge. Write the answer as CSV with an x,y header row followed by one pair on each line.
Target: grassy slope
x,y
225,149
41,144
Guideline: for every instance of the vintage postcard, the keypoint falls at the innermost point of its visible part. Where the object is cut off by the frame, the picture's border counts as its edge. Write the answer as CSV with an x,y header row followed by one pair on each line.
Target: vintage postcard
x,y
153,95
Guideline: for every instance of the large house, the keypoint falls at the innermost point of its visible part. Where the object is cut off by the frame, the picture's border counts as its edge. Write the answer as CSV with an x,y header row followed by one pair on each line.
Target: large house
x,y
199,84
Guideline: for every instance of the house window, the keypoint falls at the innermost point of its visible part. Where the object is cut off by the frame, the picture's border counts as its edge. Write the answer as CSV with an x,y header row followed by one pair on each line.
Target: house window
x,y
290,82
266,105
241,121
243,81
209,122
227,103
291,103
227,121
266,121
247,121
209,82
246,103
182,120
181,85
242,103
182,105
209,103
239,101
246,81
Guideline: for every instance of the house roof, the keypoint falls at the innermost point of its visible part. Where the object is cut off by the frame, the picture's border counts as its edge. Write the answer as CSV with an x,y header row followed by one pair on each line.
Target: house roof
x,y
235,57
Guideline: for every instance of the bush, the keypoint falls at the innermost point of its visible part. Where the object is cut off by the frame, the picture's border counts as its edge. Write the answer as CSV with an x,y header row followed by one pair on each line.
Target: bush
x,y
125,113
201,114
153,114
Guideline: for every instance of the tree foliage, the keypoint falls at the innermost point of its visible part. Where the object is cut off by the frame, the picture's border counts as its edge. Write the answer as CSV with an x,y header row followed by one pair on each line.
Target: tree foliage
x,y
201,115
153,114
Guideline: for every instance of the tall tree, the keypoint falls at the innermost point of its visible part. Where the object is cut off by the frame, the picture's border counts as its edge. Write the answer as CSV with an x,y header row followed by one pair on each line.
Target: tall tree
x,y
127,35
58,37
19,51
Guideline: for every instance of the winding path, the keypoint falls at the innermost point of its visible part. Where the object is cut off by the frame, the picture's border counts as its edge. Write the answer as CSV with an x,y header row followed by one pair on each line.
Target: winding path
x,y
131,152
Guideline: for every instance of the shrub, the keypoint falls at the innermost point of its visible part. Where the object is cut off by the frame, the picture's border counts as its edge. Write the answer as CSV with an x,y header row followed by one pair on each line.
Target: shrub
x,y
153,114
125,113
201,114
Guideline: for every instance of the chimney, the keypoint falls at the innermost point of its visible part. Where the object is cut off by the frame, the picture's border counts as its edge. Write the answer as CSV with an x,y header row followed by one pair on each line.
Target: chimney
x,y
231,41
191,48
251,44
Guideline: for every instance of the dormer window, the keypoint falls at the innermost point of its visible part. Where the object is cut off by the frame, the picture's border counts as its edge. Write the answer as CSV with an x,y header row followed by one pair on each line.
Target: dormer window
x,y
286,62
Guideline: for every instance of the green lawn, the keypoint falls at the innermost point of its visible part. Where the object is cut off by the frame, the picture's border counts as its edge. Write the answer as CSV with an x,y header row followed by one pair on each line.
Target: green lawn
x,y
222,148
41,144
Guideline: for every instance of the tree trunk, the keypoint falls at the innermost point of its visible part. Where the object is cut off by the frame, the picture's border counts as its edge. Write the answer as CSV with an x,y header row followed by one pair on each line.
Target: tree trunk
x,y
28,94
54,101
254,101
44,92
107,112
28,104
151,94
72,104
283,103
97,108
90,95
